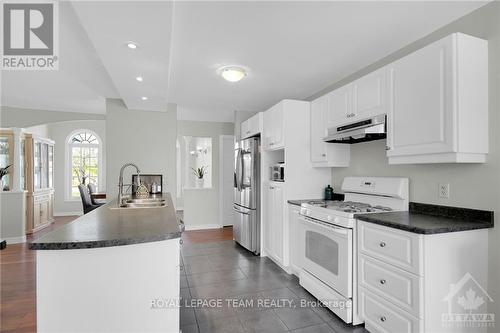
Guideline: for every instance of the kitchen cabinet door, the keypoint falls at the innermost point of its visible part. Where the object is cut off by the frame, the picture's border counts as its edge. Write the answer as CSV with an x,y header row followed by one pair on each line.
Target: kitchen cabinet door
x,y
339,106
420,113
278,127
268,130
369,95
325,154
438,103
293,224
319,109
273,128
268,218
251,126
278,231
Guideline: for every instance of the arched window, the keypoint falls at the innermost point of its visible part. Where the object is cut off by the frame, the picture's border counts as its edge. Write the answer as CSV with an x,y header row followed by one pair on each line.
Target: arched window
x,y
84,161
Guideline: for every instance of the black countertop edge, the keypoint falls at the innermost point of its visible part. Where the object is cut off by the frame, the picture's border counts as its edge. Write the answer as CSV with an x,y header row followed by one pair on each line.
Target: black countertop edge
x,y
465,214
421,224
432,219
336,197
102,243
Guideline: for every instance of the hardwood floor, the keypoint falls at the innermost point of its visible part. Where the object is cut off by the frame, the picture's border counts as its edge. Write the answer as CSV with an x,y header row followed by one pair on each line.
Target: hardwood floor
x,y
18,276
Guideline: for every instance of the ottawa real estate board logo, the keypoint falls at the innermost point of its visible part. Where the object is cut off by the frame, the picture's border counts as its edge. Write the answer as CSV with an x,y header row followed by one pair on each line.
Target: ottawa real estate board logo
x,y
30,33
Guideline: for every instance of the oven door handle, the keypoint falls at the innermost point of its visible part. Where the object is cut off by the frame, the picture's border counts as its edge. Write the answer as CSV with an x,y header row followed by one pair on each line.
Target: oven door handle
x,y
328,227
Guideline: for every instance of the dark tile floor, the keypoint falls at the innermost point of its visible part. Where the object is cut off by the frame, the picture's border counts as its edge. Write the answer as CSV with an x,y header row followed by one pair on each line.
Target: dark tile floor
x,y
224,288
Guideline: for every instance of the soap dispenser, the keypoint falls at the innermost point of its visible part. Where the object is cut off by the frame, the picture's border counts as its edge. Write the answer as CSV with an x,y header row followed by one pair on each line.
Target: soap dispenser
x,y
328,193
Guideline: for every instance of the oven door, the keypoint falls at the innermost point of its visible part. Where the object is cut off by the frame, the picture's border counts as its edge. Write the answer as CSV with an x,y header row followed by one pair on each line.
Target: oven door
x,y
326,253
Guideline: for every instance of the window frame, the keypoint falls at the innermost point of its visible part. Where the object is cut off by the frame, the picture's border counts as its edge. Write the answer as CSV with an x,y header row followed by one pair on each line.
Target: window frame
x,y
68,169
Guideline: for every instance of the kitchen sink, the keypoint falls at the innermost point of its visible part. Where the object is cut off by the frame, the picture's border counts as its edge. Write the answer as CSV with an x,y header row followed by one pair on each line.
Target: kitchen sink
x,y
142,203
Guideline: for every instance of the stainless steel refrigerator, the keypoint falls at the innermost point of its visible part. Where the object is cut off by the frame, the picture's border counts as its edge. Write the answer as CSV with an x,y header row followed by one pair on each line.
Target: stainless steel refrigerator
x,y
246,228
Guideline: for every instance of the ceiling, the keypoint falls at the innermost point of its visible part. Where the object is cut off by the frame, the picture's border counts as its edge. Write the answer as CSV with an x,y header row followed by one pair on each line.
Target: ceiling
x,y
291,49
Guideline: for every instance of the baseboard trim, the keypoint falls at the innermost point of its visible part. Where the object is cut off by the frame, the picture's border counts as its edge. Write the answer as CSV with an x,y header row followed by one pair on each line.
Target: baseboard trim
x,y
79,213
203,227
15,240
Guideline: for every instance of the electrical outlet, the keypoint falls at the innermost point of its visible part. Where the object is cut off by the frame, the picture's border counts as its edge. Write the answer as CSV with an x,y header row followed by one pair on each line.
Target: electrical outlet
x,y
444,190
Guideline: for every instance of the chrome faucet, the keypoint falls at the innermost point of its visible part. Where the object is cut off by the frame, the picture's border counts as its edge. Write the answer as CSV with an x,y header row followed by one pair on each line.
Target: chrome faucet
x,y
120,180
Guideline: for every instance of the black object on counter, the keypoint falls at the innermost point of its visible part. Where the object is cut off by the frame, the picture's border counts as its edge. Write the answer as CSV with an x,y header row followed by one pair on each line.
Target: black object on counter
x,y
3,244
328,193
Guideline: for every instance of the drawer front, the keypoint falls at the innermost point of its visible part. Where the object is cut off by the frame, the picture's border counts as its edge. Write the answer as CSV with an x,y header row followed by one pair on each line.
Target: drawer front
x,y
381,316
399,248
41,198
394,284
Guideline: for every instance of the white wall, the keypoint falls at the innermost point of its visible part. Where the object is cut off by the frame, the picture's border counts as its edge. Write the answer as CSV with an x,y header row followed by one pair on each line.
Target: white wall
x,y
13,217
209,198
20,117
142,137
59,133
473,186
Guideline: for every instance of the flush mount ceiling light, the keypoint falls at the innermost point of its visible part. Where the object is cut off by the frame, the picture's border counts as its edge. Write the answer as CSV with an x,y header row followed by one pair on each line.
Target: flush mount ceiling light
x,y
132,45
232,73
144,98
139,78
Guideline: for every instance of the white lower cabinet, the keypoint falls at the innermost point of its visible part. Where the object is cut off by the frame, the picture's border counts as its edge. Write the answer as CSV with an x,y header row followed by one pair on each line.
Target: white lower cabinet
x,y
274,222
406,281
293,224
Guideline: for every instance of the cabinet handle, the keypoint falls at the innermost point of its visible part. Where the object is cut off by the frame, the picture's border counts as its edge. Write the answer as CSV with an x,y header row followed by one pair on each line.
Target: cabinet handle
x,y
382,244
271,144
383,318
387,148
271,187
382,281
323,155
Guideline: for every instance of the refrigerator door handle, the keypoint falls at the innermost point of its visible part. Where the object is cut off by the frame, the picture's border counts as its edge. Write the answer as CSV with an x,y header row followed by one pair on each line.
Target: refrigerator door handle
x,y
239,211
239,170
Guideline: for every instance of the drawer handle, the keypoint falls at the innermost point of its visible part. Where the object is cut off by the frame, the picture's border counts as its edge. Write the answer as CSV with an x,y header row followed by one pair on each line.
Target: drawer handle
x,y
382,281
383,318
323,155
382,244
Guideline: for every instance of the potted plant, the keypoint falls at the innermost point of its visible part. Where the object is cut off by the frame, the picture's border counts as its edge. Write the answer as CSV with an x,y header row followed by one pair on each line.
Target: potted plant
x,y
3,172
81,174
200,173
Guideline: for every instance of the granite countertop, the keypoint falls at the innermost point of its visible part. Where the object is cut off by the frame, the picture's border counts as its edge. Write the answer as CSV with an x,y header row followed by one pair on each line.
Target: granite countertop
x,y
336,197
105,226
432,219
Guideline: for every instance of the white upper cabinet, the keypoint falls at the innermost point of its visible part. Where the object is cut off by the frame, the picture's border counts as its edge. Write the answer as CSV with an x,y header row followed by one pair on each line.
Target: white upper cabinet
x,y
438,103
325,154
273,127
369,96
339,106
252,126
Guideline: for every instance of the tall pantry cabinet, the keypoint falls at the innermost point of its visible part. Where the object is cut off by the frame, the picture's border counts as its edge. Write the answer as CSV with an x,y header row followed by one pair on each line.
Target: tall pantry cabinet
x,y
39,181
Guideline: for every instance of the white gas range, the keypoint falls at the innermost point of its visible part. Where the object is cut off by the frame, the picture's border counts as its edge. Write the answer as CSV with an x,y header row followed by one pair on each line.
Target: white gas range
x,y
327,239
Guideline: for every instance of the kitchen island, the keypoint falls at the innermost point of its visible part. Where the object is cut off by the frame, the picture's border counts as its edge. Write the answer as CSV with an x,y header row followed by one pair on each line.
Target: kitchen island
x,y
111,270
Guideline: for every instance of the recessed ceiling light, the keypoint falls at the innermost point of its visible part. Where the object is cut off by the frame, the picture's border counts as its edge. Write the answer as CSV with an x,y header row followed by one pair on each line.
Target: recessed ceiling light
x,y
232,73
132,45
139,78
144,98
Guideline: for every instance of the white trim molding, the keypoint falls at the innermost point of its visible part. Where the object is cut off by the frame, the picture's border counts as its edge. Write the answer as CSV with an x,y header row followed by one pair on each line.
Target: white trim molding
x,y
203,226
15,240
79,213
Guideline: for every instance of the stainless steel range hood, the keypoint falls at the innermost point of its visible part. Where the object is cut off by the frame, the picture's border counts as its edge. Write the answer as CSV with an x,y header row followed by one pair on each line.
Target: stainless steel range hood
x,y
366,130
